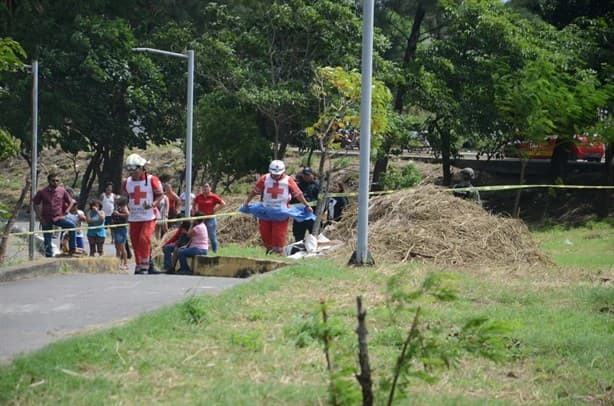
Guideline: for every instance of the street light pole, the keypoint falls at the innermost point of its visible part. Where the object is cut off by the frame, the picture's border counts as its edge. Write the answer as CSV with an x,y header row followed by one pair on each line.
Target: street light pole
x,y
190,116
362,252
34,157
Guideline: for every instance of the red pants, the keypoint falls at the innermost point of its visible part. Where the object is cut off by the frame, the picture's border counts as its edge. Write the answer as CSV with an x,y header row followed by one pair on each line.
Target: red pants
x,y
274,234
140,236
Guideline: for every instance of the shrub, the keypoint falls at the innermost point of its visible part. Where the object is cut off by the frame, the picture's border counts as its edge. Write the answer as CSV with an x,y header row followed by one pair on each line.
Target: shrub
x,y
406,177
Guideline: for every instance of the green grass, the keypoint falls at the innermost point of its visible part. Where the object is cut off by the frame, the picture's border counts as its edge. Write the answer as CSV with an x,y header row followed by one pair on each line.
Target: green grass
x,y
256,343
591,246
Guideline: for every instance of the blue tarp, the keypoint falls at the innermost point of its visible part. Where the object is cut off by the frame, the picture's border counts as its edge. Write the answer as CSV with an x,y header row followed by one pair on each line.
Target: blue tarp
x,y
298,213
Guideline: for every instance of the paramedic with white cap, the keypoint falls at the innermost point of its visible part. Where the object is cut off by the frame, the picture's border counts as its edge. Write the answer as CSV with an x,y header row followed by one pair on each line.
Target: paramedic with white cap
x,y
143,191
276,189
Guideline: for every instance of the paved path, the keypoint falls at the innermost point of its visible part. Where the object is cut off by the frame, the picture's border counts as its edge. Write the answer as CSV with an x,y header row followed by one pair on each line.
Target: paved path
x,y
36,312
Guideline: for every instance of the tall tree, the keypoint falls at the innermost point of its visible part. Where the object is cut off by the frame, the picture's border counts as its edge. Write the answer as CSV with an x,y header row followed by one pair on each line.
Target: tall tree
x,y
339,95
12,58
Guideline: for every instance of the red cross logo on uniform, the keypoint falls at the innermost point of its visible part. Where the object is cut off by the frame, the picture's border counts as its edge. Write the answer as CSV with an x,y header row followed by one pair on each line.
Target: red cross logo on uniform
x,y
136,195
273,191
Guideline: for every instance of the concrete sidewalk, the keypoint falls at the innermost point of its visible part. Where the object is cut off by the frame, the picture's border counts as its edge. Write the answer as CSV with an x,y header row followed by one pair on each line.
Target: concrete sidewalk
x,y
49,299
35,312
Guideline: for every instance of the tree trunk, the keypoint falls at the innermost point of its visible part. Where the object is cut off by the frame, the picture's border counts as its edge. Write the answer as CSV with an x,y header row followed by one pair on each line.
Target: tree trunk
x,y
11,220
523,167
605,196
381,165
410,50
364,378
112,168
560,156
91,173
322,196
445,155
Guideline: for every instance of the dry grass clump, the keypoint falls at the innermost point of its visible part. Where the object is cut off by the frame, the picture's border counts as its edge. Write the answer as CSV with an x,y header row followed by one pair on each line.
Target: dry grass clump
x,y
233,228
429,224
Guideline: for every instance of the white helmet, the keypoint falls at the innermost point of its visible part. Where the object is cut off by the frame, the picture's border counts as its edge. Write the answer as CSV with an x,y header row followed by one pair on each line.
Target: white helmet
x,y
136,160
277,167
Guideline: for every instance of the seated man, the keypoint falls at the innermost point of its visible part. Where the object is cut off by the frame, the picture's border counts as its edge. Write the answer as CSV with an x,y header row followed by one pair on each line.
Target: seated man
x,y
51,204
199,244
170,248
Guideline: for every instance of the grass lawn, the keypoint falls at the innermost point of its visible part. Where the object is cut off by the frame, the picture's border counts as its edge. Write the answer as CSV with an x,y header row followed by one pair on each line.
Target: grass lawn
x,y
260,343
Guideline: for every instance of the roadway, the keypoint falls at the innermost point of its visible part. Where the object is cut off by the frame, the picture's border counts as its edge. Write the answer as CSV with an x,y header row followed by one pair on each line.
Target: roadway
x,y
37,311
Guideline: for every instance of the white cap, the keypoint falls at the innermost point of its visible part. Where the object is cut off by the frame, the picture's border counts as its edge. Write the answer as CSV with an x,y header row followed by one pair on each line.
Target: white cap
x,y
136,159
277,167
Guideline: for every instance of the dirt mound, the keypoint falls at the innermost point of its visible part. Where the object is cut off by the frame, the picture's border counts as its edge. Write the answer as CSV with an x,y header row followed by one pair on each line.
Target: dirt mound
x,y
426,223
429,224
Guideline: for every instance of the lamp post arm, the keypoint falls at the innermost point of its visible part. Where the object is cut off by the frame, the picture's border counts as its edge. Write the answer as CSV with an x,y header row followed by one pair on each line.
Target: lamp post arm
x,y
159,51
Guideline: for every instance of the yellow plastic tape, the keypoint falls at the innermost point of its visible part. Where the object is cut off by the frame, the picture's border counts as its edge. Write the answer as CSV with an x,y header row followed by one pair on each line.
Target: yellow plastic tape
x,y
234,213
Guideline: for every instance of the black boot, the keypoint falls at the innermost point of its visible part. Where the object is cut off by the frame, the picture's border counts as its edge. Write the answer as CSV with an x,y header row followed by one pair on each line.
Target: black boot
x,y
152,268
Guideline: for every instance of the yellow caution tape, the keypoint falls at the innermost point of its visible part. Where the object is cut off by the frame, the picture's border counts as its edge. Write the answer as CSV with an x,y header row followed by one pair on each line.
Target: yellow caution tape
x,y
234,213
514,187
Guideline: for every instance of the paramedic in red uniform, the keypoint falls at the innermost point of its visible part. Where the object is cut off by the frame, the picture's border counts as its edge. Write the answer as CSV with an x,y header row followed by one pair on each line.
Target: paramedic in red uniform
x,y
143,191
276,189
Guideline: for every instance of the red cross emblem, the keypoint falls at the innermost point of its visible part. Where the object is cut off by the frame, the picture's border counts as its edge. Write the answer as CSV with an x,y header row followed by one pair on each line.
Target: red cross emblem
x,y
136,195
273,191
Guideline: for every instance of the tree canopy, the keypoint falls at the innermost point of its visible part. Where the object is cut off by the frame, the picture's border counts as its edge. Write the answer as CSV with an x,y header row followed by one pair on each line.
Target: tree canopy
x,y
478,71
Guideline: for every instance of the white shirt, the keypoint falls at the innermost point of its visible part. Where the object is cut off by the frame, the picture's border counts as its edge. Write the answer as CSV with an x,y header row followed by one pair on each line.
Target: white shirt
x,y
108,204
138,193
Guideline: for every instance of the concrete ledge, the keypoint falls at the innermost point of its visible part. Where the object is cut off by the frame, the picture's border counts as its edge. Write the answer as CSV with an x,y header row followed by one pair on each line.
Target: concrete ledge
x,y
50,266
233,267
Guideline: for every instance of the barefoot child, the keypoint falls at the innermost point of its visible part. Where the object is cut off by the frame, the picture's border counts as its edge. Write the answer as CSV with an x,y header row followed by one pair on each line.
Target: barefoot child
x,y
120,233
77,216
95,234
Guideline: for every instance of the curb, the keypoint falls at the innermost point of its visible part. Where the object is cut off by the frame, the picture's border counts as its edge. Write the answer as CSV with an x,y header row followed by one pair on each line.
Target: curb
x,y
51,266
28,271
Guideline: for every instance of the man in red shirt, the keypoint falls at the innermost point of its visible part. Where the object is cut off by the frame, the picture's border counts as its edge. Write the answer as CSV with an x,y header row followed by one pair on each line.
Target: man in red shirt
x,y
276,189
144,191
208,203
51,205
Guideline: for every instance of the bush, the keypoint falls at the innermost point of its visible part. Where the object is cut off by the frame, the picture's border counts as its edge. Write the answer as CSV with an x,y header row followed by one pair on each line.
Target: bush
x,y
406,177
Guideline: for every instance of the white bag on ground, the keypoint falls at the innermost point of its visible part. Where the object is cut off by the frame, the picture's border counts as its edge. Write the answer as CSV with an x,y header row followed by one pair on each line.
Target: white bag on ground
x,y
311,243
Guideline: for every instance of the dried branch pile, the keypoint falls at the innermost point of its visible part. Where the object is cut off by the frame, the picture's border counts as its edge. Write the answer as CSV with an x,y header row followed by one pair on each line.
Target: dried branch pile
x,y
429,224
425,224
233,228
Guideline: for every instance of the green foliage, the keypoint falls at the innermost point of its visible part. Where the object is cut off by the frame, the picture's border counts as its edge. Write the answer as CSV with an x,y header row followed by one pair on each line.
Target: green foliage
x,y
338,92
249,340
12,56
427,347
485,338
9,145
407,177
226,146
194,310
11,60
559,351
306,329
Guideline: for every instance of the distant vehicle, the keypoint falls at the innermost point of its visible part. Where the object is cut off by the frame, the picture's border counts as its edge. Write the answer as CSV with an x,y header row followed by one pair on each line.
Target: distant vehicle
x,y
584,147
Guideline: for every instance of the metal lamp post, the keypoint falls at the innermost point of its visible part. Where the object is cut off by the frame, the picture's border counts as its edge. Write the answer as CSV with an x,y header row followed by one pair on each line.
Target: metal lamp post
x,y
34,157
365,134
189,55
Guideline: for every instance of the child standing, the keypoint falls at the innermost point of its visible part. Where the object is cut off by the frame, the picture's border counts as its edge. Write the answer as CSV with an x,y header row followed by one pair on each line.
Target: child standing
x,y
120,232
77,216
95,233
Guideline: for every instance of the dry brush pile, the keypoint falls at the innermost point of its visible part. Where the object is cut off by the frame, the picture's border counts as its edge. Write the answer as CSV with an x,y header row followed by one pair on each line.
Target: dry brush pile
x,y
427,224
